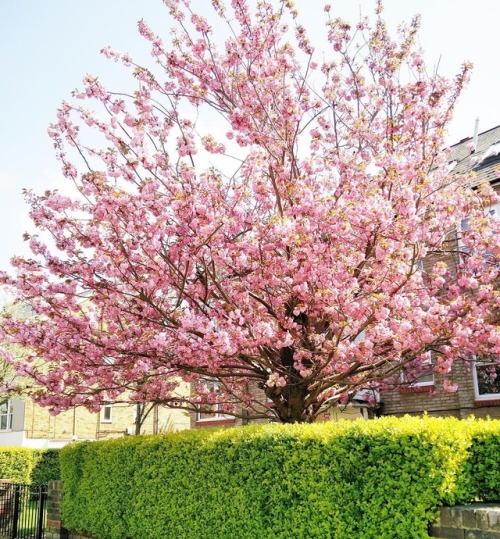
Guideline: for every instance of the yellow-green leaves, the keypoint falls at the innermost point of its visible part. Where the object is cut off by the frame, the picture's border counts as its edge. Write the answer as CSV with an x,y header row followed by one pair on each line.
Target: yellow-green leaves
x,y
363,480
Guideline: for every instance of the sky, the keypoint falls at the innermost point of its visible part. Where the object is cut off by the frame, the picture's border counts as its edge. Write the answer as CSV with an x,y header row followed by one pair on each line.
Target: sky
x,y
47,46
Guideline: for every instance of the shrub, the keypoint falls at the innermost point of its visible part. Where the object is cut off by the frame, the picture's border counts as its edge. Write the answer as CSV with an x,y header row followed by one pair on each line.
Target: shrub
x,y
366,480
481,477
24,465
16,464
46,466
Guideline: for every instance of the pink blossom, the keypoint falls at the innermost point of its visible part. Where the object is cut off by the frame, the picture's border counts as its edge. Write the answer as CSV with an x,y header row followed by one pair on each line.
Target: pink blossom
x,y
449,386
284,254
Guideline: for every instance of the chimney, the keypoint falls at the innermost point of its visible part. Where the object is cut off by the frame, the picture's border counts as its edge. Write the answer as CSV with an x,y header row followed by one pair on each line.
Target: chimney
x,y
476,133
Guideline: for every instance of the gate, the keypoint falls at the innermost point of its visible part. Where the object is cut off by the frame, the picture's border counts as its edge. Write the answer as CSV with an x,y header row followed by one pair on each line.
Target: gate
x,y
23,511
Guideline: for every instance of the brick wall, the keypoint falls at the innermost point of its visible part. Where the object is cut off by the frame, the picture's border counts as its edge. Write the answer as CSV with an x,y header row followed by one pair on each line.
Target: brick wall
x,y
437,402
53,530
477,521
256,393
39,423
81,424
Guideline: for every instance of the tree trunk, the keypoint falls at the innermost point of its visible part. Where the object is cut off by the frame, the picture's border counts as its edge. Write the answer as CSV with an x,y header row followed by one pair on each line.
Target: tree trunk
x,y
139,410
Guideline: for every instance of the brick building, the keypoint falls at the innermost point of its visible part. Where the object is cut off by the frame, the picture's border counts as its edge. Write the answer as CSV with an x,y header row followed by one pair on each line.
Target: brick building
x,y
479,389
25,424
210,416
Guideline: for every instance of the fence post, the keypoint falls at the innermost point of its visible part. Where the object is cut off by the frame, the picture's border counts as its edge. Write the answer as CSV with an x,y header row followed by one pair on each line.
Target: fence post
x,y
6,495
42,494
15,515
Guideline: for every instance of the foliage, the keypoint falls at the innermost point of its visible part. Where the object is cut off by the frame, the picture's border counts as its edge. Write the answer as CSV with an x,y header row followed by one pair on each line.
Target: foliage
x,y
382,478
46,467
16,464
483,467
24,465
11,382
295,269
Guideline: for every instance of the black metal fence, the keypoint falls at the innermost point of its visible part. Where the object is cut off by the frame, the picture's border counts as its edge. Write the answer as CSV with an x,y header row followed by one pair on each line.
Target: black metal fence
x,y
23,511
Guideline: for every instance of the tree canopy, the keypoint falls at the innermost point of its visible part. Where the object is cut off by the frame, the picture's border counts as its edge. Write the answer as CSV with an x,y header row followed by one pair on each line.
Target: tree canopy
x,y
255,213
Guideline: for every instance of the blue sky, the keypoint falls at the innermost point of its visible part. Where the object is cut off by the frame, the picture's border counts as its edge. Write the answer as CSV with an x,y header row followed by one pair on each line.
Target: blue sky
x,y
47,46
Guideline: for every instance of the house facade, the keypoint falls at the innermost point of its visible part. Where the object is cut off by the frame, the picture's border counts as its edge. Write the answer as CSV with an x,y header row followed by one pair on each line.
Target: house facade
x,y
478,382
478,394
25,424
211,416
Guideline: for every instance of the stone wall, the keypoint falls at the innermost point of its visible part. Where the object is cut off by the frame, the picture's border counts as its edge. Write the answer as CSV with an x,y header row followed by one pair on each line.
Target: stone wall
x,y
476,521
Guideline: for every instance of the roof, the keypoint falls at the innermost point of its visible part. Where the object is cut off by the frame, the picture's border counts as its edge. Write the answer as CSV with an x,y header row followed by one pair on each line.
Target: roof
x,y
484,161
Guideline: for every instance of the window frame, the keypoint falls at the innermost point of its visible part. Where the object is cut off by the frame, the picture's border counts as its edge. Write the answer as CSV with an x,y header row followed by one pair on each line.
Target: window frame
x,y
424,383
104,408
485,396
216,415
493,211
8,414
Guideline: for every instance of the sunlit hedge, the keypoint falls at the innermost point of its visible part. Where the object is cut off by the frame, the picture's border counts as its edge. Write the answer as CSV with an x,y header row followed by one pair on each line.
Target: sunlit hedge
x,y
363,480
24,465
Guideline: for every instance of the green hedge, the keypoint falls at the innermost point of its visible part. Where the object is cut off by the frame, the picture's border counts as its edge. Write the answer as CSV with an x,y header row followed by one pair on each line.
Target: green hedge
x,y
24,465
46,466
364,480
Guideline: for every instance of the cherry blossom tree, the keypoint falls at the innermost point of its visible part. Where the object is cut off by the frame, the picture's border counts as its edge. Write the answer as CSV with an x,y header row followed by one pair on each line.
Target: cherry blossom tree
x,y
255,214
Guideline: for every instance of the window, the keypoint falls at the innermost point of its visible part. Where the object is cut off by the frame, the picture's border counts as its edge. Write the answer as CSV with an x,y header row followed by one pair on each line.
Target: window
x,y
210,412
493,212
107,413
424,377
6,415
487,380
464,226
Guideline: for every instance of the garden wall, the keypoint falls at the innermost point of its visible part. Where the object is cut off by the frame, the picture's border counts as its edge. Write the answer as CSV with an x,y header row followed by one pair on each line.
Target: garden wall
x,y
476,521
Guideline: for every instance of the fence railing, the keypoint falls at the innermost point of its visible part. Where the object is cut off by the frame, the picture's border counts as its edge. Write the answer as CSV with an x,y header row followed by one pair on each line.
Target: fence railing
x,y
23,511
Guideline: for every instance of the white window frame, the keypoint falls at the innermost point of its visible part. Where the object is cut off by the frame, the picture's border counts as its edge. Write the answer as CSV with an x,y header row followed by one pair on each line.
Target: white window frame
x,y
104,408
7,414
462,227
485,396
216,415
492,151
424,383
493,210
